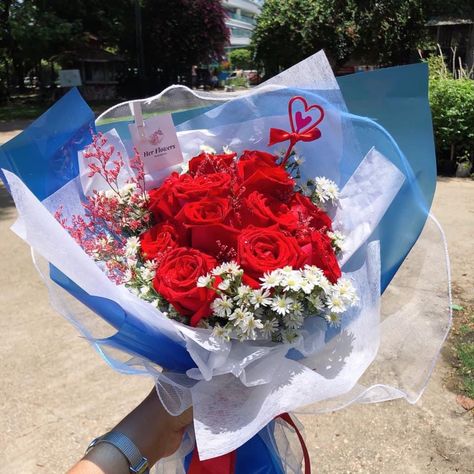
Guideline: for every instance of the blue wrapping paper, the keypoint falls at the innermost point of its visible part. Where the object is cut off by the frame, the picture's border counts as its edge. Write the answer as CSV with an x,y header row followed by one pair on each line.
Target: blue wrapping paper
x,y
44,156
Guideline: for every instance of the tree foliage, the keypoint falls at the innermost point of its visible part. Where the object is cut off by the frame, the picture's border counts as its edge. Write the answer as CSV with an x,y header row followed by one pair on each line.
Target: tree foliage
x,y
378,32
181,33
175,35
241,58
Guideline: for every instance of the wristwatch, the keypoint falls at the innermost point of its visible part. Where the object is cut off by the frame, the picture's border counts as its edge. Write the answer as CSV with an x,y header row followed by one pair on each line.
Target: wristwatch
x,y
138,463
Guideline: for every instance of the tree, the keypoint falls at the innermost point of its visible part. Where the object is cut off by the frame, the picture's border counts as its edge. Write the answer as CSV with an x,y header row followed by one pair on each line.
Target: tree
x,y
176,36
32,32
389,31
241,58
381,32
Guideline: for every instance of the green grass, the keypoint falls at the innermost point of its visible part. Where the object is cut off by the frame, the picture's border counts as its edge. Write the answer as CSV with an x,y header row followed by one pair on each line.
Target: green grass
x,y
464,348
19,111
239,82
30,107
465,353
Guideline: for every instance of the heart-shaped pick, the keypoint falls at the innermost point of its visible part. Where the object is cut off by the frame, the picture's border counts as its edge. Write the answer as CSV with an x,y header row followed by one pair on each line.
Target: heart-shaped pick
x,y
304,120
301,121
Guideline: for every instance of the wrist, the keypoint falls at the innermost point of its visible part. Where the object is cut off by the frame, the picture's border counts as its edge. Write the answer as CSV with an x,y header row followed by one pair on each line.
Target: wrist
x,y
147,427
107,458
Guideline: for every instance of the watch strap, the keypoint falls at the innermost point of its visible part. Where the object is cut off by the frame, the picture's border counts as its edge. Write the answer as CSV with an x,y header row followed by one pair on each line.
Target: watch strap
x,y
138,463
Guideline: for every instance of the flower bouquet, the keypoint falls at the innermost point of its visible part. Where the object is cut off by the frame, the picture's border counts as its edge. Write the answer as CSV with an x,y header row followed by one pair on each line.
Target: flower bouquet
x,y
240,260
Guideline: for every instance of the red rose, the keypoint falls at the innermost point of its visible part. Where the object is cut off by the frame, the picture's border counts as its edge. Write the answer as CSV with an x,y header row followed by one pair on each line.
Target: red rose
x,y
309,218
207,163
189,188
167,200
159,239
306,211
252,161
204,212
176,280
264,211
163,203
259,172
324,257
264,250
218,240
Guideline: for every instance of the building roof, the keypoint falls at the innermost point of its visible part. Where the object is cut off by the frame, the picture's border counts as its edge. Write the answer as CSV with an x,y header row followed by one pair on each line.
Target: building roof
x,y
447,21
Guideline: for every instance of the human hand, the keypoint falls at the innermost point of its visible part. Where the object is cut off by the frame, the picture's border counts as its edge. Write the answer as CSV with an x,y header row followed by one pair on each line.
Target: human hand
x,y
150,427
156,433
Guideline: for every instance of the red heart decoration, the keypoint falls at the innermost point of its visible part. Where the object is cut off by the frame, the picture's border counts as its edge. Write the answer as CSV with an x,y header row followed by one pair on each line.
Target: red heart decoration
x,y
301,121
304,123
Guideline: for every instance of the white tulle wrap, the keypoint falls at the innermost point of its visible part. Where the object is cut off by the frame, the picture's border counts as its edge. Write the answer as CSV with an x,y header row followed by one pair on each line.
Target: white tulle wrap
x,y
385,349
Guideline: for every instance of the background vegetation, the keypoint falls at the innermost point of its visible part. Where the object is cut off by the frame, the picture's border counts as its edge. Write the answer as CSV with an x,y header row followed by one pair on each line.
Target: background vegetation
x,y
376,32
174,36
452,106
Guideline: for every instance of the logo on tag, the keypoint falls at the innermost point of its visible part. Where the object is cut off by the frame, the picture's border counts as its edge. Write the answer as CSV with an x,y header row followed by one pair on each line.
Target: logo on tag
x,y
157,143
156,137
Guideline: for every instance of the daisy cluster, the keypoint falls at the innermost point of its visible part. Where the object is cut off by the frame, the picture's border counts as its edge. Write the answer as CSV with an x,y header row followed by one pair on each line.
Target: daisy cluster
x,y
322,191
277,309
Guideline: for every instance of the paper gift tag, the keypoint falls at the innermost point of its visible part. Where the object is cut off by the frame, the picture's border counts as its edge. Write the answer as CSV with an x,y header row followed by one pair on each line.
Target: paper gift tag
x,y
156,140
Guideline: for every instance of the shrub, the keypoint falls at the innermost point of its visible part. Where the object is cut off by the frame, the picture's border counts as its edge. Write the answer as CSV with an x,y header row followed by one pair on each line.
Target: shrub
x,y
452,106
239,82
241,59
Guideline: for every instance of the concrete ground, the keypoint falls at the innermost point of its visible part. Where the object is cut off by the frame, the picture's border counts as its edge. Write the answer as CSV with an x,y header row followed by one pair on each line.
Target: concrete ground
x,y
56,394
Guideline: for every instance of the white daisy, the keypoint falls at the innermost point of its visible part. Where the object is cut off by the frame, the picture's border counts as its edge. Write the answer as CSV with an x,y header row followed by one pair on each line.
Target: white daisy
x,y
316,302
291,281
260,297
147,273
220,332
282,304
289,335
222,306
249,326
299,160
132,246
313,274
269,328
128,188
297,308
128,275
326,190
224,285
239,315
335,303
337,240
293,320
333,319
204,281
207,149
306,286
110,193
243,294
270,280
346,291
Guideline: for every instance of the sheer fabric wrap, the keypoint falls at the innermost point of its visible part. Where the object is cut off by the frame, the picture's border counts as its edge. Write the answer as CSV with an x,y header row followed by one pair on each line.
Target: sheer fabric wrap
x,y
395,255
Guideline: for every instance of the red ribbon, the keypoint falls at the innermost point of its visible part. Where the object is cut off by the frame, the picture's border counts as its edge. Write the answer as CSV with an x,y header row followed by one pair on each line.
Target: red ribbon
x,y
306,134
277,135
226,464
221,465
307,462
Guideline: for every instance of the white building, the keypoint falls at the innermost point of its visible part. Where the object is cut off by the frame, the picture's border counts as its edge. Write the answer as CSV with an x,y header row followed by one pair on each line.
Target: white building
x,y
241,20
